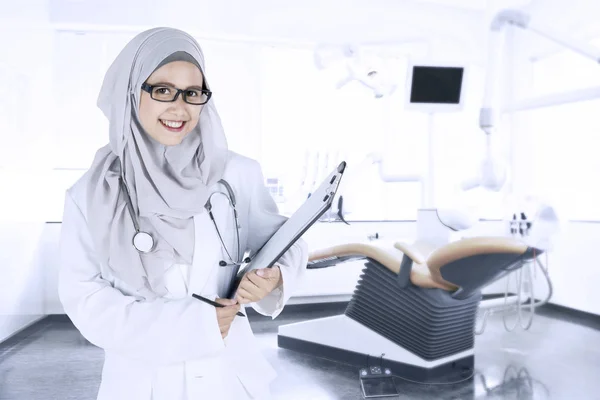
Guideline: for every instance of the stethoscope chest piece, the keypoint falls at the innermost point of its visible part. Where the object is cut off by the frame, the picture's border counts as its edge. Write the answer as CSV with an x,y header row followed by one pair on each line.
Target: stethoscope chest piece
x,y
143,242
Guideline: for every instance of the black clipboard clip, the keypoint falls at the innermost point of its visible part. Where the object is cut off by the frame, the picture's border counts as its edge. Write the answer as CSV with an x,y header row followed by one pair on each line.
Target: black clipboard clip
x,y
239,275
246,260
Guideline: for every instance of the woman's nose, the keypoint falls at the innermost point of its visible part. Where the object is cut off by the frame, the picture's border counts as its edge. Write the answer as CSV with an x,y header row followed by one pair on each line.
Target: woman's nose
x,y
178,105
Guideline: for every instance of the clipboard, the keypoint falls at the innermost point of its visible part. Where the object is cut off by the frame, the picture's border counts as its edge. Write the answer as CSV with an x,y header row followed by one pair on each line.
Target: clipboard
x,y
307,214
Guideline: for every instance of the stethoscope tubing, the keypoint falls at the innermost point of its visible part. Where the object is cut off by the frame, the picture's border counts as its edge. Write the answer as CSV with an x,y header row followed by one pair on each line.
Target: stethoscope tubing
x,y
208,207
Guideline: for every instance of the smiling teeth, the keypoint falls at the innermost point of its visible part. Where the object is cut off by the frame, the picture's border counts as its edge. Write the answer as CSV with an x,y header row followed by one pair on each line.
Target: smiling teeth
x,y
172,124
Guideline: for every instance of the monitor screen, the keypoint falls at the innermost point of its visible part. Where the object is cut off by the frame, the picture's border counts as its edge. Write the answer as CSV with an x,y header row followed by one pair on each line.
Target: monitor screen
x,y
436,85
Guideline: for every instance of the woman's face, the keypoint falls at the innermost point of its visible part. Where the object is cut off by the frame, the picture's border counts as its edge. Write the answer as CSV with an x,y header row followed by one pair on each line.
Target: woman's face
x,y
170,122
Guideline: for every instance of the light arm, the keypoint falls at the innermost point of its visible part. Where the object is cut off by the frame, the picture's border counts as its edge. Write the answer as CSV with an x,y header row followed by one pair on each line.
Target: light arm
x,y
495,52
492,174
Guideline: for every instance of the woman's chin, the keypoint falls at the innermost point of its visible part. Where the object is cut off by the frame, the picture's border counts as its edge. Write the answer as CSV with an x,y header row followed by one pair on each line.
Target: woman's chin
x,y
170,138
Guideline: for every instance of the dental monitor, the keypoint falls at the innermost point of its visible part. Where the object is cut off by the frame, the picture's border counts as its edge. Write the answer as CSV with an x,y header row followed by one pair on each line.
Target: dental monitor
x,y
435,88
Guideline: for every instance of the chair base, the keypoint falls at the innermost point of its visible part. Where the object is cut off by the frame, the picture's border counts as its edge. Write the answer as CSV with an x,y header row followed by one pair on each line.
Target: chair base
x,y
342,339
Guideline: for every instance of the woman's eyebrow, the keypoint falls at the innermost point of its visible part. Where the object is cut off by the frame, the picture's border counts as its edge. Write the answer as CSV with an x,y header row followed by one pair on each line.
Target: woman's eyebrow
x,y
165,83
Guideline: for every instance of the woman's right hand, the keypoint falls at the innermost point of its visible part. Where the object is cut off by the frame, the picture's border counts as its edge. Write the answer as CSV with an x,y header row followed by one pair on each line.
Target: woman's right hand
x,y
225,315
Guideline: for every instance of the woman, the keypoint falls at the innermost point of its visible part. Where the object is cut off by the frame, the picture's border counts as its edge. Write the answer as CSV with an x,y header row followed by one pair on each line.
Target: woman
x,y
164,164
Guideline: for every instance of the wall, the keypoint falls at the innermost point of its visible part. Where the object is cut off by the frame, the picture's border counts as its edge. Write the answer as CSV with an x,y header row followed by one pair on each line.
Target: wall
x,y
574,267
22,287
26,52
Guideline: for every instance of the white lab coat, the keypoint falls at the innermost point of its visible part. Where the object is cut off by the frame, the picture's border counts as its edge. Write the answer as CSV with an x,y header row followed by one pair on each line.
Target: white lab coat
x,y
171,348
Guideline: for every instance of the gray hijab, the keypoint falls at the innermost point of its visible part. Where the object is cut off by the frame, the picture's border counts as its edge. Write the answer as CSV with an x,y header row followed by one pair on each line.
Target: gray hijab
x,y
168,184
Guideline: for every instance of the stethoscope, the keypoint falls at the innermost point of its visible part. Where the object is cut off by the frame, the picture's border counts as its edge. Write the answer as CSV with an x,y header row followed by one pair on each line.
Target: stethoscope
x,y
144,242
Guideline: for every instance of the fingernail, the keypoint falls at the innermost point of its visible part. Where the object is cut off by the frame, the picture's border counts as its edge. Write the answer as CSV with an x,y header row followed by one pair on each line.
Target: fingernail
x,y
260,272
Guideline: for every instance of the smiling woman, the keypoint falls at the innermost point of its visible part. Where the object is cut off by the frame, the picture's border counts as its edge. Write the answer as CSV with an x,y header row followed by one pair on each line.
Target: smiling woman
x,y
169,114
167,155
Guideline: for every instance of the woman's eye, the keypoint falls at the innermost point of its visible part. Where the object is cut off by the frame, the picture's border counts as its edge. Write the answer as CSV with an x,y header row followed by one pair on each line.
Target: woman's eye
x,y
192,93
162,90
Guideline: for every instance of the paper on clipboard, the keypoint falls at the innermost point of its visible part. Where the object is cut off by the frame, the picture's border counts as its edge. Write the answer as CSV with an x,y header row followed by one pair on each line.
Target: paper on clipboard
x,y
285,237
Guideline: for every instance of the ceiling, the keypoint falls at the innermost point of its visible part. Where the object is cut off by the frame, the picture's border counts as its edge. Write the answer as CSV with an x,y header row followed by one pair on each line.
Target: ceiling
x,y
456,25
309,20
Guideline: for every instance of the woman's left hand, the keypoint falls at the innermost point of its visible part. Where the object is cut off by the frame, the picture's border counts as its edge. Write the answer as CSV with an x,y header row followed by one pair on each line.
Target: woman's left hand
x,y
257,284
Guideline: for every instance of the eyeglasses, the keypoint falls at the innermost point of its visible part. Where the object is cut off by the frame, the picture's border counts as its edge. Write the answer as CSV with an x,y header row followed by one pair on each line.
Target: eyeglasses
x,y
167,93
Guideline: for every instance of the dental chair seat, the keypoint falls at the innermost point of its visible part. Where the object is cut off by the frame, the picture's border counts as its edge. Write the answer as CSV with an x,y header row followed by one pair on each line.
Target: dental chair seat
x,y
413,314
461,267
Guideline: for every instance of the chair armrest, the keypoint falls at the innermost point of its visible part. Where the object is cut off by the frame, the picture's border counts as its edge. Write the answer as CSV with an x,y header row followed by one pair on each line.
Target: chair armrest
x,y
410,251
388,256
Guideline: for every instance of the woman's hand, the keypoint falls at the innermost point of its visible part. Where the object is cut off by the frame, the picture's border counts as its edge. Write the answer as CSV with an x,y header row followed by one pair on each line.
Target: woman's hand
x,y
257,284
225,315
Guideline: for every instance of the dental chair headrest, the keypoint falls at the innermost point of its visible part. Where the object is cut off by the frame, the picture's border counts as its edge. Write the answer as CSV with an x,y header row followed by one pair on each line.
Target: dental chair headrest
x,y
473,263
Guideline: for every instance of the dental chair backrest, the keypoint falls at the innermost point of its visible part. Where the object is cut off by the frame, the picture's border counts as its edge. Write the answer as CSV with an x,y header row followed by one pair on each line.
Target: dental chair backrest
x,y
472,263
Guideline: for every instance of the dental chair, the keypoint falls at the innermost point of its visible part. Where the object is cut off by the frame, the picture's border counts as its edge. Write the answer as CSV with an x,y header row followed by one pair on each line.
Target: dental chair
x,y
415,315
